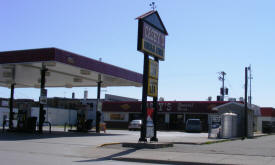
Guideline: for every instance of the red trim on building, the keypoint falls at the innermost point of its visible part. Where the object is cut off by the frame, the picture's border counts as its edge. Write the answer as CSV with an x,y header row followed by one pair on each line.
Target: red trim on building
x,y
165,106
268,111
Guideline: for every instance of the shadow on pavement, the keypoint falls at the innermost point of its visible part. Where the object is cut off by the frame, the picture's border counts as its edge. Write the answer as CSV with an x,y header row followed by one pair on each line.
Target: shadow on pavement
x,y
14,136
171,162
110,157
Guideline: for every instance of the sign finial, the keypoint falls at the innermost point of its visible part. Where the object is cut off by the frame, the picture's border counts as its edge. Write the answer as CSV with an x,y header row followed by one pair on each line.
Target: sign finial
x,y
153,5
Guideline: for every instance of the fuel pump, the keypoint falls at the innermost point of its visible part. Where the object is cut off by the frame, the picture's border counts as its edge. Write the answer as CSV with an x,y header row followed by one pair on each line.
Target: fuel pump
x,y
84,123
22,115
25,122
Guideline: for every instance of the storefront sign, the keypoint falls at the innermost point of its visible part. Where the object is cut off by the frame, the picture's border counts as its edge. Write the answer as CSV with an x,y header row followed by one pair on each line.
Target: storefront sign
x,y
166,106
117,116
184,107
152,41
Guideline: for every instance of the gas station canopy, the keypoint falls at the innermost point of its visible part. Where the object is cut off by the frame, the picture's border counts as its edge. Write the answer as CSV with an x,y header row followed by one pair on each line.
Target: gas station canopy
x,y
64,69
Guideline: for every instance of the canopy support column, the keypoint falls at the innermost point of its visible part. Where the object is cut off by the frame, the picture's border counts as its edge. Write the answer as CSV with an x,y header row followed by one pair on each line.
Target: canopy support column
x,y
11,106
98,113
42,87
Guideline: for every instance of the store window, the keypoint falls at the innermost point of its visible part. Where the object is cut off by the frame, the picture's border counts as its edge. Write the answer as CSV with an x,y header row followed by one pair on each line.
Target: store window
x,y
117,116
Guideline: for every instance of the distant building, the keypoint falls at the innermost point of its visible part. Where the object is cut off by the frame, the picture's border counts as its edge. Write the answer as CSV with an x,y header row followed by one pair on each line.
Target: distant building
x,y
171,114
266,119
119,111
60,110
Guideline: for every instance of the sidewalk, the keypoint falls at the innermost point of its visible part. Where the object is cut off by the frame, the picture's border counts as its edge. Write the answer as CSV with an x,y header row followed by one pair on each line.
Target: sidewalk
x,y
195,158
162,156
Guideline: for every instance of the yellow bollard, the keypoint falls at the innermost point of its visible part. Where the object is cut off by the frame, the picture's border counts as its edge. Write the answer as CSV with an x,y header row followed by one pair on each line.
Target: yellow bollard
x,y
103,127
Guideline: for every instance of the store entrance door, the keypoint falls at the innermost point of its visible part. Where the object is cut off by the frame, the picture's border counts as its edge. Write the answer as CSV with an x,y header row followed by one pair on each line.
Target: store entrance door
x,y
176,122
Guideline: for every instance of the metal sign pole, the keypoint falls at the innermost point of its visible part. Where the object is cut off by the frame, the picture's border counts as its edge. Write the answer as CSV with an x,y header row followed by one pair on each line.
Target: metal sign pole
x,y
144,99
155,105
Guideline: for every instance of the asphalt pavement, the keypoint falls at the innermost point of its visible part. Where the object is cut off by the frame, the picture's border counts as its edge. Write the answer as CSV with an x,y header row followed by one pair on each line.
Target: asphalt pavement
x,y
86,148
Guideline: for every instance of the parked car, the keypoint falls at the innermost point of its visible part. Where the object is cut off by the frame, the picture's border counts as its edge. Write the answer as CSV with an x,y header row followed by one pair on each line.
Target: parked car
x,y
193,125
135,125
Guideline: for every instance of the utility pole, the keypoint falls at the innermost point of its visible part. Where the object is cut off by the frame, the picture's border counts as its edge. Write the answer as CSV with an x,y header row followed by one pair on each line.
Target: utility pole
x,y
250,78
221,78
245,104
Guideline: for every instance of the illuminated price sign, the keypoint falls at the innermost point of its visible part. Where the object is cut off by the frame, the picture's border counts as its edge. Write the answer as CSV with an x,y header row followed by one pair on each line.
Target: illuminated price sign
x,y
153,69
153,78
152,87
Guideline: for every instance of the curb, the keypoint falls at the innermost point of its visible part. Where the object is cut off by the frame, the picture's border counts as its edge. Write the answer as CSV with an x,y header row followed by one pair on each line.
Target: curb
x,y
147,145
142,160
205,143
263,135
188,143
194,143
107,144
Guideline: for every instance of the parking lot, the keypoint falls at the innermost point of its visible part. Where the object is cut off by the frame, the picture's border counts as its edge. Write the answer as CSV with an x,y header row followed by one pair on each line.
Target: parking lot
x,y
75,148
61,147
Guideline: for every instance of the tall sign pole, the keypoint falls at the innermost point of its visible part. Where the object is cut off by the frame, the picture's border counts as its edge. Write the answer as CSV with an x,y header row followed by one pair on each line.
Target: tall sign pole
x,y
151,41
144,99
155,119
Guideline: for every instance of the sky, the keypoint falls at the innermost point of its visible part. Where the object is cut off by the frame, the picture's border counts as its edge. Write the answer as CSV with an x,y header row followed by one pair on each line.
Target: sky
x,y
205,38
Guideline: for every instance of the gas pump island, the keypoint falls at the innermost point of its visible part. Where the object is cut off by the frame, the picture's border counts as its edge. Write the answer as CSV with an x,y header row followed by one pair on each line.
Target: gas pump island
x,y
151,41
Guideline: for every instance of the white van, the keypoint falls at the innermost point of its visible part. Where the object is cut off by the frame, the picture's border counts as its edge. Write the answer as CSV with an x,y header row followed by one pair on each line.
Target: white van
x,y
193,125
